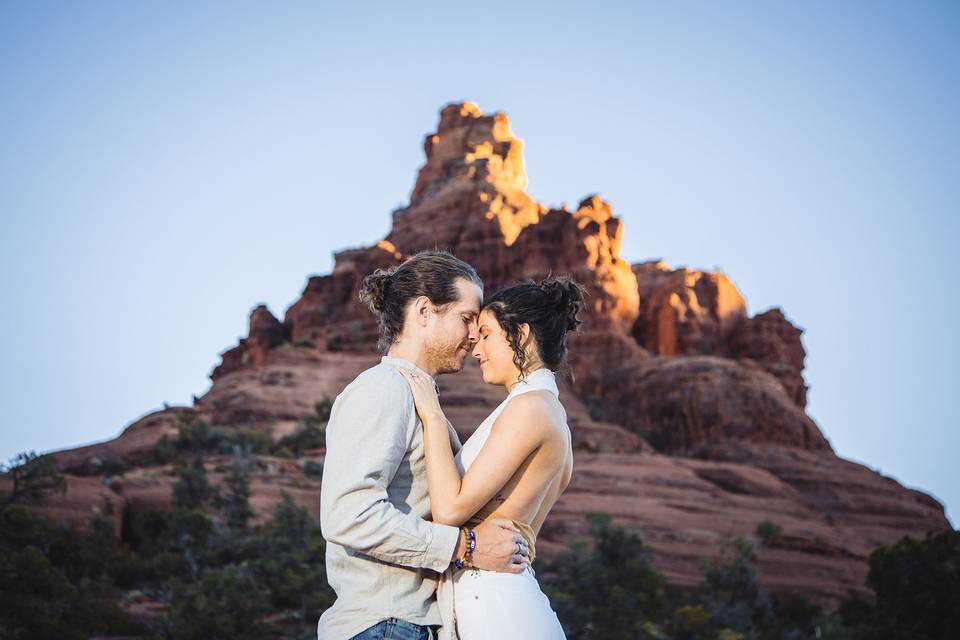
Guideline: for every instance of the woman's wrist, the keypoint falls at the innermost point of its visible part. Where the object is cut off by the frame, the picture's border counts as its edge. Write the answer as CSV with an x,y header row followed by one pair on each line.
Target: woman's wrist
x,y
434,419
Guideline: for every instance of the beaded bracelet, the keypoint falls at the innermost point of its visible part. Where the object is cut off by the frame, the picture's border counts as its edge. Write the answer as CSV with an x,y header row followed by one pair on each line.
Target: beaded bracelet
x,y
472,547
459,562
467,557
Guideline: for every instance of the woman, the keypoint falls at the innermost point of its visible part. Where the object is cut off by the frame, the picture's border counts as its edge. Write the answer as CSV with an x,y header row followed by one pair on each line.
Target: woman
x,y
515,465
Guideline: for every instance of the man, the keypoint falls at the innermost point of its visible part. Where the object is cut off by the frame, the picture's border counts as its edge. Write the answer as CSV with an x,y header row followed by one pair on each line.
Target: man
x,y
383,554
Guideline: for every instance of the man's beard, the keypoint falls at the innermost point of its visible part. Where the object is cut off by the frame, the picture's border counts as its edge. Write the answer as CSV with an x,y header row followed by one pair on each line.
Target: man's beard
x,y
444,358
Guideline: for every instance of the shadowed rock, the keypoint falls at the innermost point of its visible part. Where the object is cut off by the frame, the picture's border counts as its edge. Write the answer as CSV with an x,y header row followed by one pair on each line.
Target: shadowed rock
x,y
687,414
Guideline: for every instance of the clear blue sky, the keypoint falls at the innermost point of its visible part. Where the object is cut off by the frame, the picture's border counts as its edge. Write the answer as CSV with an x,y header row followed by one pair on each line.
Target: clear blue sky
x,y
165,168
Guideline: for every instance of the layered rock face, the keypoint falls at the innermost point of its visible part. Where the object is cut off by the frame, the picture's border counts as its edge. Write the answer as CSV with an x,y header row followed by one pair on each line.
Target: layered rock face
x,y
688,415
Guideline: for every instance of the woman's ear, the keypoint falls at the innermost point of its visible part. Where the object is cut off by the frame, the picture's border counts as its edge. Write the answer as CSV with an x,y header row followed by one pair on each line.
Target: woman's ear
x,y
528,344
524,335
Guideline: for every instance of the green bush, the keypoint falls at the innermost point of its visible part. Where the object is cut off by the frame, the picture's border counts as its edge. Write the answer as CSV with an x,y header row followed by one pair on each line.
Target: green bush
x,y
197,437
767,529
917,583
222,603
237,503
322,409
222,577
54,582
309,434
313,469
32,478
732,592
608,590
192,490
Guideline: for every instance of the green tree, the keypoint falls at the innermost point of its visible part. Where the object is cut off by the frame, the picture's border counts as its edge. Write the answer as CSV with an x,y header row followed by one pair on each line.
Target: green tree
x,y
607,589
222,603
309,434
34,597
288,559
917,583
192,490
237,504
732,591
55,582
32,478
766,530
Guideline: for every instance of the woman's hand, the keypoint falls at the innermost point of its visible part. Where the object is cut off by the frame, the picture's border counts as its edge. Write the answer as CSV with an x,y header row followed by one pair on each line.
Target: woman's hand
x,y
424,396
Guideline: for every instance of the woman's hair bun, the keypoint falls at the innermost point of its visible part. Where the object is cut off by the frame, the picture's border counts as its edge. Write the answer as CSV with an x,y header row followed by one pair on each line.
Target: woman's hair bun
x,y
373,290
566,297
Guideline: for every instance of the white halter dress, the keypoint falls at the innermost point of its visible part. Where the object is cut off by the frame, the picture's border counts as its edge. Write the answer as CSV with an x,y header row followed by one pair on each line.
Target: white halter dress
x,y
486,605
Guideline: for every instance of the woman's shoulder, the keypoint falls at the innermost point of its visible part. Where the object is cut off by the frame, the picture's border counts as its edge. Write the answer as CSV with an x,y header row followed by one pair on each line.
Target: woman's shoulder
x,y
536,411
533,400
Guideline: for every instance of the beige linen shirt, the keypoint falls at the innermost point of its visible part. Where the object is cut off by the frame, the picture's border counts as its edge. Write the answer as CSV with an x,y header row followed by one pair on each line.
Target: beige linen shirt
x,y
384,556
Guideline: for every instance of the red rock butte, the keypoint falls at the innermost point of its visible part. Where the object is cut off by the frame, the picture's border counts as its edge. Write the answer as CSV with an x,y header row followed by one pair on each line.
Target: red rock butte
x,y
688,415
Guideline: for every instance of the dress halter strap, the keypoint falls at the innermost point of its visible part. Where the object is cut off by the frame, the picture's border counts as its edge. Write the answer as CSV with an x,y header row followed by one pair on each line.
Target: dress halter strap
x,y
542,379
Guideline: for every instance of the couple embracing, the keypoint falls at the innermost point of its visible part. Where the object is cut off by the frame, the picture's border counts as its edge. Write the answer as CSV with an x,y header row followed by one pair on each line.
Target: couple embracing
x,y
427,538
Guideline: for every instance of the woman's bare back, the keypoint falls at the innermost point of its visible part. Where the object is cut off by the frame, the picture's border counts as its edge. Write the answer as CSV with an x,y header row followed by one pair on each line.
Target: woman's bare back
x,y
534,488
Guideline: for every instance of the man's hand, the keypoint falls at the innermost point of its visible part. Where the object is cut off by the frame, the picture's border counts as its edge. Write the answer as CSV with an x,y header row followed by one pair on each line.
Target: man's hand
x,y
500,547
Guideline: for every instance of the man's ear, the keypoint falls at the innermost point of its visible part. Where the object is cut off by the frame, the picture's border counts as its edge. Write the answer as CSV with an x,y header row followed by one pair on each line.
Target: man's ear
x,y
422,308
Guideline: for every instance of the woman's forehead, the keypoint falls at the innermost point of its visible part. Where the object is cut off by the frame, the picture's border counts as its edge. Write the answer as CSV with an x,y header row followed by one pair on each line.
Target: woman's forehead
x,y
487,319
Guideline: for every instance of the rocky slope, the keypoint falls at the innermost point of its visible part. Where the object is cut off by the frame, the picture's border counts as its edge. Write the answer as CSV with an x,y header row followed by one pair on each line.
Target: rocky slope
x,y
688,415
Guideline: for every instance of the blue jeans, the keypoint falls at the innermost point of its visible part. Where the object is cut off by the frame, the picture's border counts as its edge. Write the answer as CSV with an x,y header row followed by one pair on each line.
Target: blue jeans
x,y
396,629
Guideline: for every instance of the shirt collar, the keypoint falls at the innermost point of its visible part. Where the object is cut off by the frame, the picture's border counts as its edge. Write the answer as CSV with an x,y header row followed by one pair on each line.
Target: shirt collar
x,y
406,364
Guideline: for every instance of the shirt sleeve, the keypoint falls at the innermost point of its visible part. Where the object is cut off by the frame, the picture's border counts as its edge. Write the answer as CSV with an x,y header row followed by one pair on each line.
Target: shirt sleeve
x,y
367,436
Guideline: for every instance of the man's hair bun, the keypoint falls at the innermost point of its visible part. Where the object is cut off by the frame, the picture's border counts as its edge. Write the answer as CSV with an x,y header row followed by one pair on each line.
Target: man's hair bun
x,y
433,274
373,290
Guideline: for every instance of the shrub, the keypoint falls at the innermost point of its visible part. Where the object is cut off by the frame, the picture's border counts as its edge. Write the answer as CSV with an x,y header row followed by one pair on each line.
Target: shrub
x,y
222,603
192,490
918,586
313,469
33,477
732,592
767,529
609,590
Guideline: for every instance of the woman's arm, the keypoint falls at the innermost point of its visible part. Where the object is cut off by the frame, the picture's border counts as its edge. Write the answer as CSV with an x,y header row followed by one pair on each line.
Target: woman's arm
x,y
518,432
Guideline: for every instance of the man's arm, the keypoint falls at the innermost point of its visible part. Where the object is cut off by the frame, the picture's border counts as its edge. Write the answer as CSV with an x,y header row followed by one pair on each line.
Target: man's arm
x,y
367,438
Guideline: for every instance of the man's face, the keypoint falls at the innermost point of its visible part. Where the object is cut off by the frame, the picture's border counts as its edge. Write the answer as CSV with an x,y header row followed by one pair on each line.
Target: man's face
x,y
452,331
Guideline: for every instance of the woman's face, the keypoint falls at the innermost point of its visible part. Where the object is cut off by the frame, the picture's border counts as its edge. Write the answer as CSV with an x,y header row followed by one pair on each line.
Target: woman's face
x,y
494,352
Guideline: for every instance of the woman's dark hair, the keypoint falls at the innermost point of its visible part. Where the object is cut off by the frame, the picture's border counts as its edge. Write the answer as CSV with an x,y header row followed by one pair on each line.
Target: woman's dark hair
x,y
551,308
428,273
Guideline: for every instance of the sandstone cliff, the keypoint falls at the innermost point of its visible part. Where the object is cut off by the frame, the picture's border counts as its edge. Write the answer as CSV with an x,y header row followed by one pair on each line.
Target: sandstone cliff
x,y
688,414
